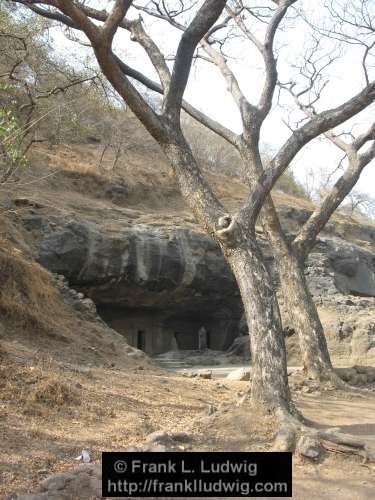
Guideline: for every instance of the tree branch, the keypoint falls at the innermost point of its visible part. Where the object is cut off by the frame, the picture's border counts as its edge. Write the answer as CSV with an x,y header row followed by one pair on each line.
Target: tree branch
x,y
139,34
306,238
107,61
205,18
194,187
317,125
128,71
113,21
361,140
367,156
270,62
199,116
233,86
53,15
77,15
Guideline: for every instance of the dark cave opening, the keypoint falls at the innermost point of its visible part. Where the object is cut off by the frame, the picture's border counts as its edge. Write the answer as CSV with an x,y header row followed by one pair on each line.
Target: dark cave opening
x,y
156,331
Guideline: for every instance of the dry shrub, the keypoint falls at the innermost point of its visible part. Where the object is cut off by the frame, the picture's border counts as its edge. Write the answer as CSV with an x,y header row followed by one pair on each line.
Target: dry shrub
x,y
38,389
16,380
55,392
27,293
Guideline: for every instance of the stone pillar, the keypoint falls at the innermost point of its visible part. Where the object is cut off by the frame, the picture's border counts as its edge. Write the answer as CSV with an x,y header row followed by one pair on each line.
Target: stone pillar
x,y
202,338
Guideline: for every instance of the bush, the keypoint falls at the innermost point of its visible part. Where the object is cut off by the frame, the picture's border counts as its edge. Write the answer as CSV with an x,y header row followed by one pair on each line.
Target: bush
x,y
11,154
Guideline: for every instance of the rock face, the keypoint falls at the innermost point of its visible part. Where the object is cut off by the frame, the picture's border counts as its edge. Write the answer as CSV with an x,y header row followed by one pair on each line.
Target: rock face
x,y
177,275
160,285
336,266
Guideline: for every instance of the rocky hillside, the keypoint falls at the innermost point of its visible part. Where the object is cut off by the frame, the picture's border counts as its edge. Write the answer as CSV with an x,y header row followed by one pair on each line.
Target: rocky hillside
x,y
94,259
125,239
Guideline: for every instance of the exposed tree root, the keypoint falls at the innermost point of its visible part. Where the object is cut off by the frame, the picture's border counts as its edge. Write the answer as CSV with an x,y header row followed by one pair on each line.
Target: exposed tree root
x,y
330,380
297,436
334,381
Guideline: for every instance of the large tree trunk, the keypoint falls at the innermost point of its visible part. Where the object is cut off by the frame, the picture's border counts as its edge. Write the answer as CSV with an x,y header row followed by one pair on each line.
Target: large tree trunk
x,y
298,300
238,243
268,355
296,295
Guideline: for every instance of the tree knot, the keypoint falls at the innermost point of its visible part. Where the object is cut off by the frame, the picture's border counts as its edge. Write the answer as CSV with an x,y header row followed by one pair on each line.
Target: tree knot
x,y
226,230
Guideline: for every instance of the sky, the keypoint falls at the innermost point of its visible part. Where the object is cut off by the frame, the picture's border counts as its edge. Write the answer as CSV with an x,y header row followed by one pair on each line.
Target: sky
x,y
207,90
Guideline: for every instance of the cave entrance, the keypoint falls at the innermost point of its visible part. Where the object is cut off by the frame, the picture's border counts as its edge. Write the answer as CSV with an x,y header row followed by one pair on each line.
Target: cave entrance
x,y
157,331
141,340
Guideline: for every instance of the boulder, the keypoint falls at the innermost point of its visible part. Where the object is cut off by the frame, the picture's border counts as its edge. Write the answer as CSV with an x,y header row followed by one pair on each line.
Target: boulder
x,y
241,374
309,447
206,374
159,437
240,347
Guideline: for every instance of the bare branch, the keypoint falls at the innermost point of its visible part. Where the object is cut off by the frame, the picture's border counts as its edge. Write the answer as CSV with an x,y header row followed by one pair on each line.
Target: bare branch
x,y
232,83
316,126
78,16
114,19
306,238
202,118
367,156
265,101
236,15
193,186
340,143
59,89
205,18
48,14
361,140
352,23
139,34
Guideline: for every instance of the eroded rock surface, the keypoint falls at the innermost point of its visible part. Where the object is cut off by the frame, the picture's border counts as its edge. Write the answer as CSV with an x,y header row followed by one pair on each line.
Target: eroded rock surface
x,y
159,285
177,275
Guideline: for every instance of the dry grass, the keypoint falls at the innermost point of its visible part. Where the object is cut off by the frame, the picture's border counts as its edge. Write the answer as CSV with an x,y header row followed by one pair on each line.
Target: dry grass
x,y
49,413
27,294
55,392
119,407
40,384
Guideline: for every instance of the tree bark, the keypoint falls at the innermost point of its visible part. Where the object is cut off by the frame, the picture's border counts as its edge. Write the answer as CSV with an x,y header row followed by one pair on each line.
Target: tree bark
x,y
268,355
298,300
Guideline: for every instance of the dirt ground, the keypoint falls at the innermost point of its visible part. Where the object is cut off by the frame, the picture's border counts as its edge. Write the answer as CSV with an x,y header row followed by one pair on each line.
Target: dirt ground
x,y
50,411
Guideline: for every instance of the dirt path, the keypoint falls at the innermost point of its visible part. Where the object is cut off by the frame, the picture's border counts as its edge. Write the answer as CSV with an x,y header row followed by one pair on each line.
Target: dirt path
x,y
336,476
120,407
340,476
